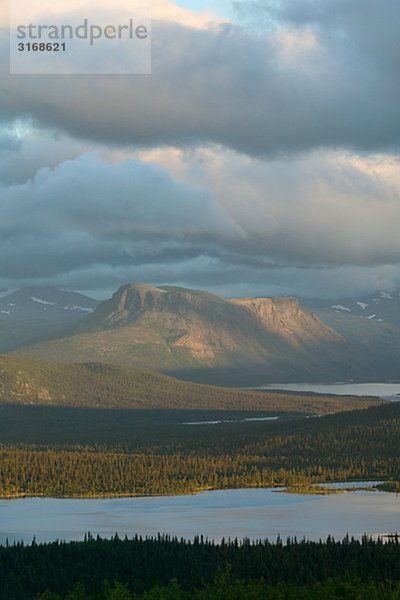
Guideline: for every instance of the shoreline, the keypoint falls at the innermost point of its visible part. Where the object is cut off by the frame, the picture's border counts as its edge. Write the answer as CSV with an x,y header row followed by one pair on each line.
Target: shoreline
x,y
320,488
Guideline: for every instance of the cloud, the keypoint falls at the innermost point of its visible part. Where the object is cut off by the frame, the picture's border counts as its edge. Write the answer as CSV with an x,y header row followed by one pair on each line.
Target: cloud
x,y
207,218
25,150
265,158
161,10
85,213
317,76
323,209
8,142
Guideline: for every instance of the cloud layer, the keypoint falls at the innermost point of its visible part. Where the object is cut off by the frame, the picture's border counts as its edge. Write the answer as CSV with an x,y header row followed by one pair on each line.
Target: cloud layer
x,y
319,75
85,213
260,157
209,218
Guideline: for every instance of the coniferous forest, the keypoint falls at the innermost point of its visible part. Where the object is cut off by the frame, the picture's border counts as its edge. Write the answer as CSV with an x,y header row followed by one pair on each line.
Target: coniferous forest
x,y
60,451
165,568
150,452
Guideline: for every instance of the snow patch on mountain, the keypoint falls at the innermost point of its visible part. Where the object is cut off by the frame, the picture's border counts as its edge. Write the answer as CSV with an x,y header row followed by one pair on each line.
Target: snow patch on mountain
x,y
41,301
78,308
341,307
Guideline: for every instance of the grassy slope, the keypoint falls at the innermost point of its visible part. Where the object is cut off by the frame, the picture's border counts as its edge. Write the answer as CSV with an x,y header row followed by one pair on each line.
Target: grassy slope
x,y
199,336
26,381
226,354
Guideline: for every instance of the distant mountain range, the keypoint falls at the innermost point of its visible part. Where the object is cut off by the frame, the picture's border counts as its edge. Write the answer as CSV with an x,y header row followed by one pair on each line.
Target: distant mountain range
x,y
381,306
199,336
38,311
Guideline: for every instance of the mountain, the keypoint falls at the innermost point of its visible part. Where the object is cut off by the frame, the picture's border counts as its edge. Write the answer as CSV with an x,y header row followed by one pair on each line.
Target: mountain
x,y
199,336
383,306
371,326
39,311
24,381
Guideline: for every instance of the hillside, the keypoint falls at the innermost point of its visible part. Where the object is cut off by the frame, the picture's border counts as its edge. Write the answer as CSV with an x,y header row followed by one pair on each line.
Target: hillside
x,y
370,325
199,336
26,381
377,342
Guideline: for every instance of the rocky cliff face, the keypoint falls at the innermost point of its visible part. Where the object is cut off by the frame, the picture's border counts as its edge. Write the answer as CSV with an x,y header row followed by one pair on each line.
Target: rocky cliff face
x,y
205,324
131,301
284,317
128,303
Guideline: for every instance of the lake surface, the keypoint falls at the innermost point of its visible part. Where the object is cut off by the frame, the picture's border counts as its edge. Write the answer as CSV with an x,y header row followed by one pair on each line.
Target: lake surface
x,y
245,420
253,513
387,391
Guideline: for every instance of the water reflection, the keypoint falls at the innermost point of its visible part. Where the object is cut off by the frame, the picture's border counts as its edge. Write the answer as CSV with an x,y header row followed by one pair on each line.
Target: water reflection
x,y
254,513
387,391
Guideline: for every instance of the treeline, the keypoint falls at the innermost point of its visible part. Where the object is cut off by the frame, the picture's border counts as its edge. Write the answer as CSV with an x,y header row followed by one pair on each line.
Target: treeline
x,y
164,567
360,445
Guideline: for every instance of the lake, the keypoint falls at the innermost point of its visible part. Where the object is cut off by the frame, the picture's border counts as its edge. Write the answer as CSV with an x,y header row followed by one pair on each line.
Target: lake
x,y
387,391
251,513
243,420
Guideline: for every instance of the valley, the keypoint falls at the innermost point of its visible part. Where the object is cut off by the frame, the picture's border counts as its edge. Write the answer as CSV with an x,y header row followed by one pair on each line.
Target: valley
x,y
92,452
91,420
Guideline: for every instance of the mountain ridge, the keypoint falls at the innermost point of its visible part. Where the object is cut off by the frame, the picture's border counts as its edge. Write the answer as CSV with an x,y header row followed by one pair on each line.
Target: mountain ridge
x,y
381,306
197,335
38,311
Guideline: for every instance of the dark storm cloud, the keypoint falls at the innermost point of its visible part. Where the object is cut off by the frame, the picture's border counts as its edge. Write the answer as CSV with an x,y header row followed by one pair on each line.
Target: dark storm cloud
x,y
86,213
21,159
87,221
8,143
258,93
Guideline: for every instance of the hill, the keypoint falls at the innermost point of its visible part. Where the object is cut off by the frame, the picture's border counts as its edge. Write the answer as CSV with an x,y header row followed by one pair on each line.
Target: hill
x,y
26,381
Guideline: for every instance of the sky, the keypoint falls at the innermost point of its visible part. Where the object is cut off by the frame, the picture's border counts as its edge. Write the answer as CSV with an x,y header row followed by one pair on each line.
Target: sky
x,y
260,157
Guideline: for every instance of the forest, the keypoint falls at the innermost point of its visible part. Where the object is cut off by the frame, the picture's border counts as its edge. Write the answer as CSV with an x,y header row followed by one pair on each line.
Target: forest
x,y
159,453
167,568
